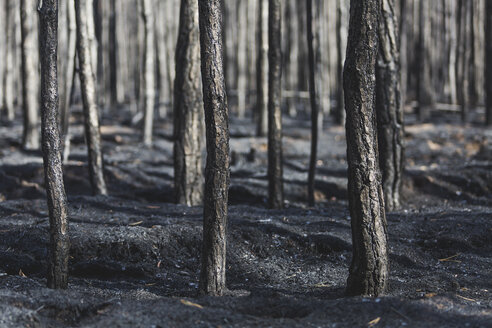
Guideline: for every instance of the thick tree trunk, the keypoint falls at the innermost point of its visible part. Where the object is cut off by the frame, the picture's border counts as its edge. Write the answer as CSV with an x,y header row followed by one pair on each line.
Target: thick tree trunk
x,y
369,268
262,70
148,72
313,43
68,71
188,110
275,174
30,137
55,190
212,276
488,61
87,84
388,106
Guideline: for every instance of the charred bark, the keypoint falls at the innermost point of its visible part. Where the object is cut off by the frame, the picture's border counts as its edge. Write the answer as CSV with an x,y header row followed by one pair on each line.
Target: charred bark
x,y
212,276
87,84
275,174
424,86
188,111
55,190
388,106
369,268
340,113
30,136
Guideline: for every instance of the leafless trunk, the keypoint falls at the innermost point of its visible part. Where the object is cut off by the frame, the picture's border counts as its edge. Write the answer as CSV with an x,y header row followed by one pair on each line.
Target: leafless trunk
x,y
369,269
88,88
388,106
8,77
242,82
68,73
30,137
275,174
212,276
148,71
341,45
313,53
424,86
262,70
55,190
488,61
188,110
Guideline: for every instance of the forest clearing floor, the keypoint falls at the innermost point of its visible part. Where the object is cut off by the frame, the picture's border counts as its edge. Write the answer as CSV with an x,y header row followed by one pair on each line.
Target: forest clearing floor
x,y
135,256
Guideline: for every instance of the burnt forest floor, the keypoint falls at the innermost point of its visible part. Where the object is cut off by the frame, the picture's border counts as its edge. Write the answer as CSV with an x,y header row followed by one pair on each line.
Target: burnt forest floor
x,y
135,256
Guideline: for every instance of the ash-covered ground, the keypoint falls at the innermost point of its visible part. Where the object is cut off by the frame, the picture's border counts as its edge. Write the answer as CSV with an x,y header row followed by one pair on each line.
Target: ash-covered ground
x,y
135,256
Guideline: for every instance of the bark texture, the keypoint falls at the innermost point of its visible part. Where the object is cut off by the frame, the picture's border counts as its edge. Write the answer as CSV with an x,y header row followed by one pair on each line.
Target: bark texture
x,y
8,77
388,106
148,71
275,174
87,84
30,136
262,70
425,96
188,111
488,61
313,43
369,269
55,190
217,175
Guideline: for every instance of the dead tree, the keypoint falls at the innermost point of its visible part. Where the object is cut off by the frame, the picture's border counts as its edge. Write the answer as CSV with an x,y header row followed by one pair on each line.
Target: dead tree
x,y
341,44
425,96
148,72
9,67
212,276
275,174
188,111
87,84
313,44
68,73
369,269
488,61
262,71
55,190
388,106
30,136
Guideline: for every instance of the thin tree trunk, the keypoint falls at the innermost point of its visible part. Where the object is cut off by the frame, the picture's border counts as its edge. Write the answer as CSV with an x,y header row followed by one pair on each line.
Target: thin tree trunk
x,y
188,111
113,55
242,82
340,114
388,106
68,71
8,78
313,43
88,88
369,268
212,276
262,70
488,61
30,137
55,190
275,174
424,87
148,72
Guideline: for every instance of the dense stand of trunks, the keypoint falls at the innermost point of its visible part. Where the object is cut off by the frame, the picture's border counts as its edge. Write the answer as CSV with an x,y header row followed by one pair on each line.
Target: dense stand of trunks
x,y
139,53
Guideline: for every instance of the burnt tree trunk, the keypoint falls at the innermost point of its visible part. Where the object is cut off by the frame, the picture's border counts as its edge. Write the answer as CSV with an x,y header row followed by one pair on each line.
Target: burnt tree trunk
x,y
262,70
188,111
50,139
340,113
424,86
30,136
87,84
148,72
68,71
217,175
369,268
9,67
275,175
313,43
488,61
388,106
